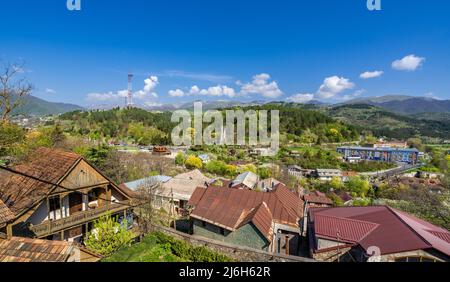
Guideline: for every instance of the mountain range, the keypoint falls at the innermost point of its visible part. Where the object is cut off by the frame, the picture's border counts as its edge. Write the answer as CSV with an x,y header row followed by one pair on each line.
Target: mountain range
x,y
408,105
417,107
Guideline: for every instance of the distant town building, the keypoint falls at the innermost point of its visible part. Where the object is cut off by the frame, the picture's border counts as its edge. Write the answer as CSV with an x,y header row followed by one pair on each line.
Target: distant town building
x,y
327,174
161,151
391,144
298,172
410,156
352,159
378,233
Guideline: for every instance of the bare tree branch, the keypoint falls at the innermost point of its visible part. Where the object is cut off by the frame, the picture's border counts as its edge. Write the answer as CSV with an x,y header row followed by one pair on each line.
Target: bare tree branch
x,y
13,89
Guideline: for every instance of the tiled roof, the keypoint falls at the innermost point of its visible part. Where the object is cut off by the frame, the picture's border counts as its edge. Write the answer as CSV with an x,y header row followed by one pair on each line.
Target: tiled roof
x,y
388,229
229,208
19,249
5,214
20,192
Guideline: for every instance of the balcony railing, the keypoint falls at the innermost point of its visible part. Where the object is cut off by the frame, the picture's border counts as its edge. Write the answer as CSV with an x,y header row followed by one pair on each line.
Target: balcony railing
x,y
50,227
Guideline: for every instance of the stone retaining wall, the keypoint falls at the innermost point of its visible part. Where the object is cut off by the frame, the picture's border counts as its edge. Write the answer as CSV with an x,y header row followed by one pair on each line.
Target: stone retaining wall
x,y
239,253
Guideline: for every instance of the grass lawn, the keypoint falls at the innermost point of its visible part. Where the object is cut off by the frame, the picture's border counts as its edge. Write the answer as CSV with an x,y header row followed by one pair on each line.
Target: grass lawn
x,y
158,247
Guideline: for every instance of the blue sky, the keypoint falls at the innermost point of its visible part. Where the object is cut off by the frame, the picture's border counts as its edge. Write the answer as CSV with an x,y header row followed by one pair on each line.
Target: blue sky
x,y
229,50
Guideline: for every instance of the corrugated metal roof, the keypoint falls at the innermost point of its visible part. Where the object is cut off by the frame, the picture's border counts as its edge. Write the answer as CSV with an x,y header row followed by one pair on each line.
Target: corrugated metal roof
x,y
229,208
395,232
134,185
248,179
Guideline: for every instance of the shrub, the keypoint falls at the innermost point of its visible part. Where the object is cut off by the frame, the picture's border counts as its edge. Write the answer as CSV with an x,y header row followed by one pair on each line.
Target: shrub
x,y
193,162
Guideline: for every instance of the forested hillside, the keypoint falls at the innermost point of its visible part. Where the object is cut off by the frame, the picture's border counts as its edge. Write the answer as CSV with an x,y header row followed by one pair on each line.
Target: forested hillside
x,y
155,127
384,123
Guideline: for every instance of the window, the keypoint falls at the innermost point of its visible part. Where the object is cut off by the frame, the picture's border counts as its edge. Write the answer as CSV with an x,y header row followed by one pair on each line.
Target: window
x,y
415,259
54,203
222,231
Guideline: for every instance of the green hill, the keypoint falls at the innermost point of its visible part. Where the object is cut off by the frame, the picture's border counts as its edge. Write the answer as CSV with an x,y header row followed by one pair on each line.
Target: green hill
x,y
33,106
384,123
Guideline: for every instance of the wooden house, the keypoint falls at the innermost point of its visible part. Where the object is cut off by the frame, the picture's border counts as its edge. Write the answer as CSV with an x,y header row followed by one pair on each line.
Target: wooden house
x,y
57,195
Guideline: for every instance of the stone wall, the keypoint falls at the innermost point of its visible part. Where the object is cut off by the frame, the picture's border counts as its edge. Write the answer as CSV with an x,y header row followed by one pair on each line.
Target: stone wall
x,y
236,252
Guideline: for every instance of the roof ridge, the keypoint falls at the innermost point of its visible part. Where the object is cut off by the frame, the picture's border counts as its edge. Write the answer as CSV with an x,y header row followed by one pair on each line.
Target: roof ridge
x,y
408,226
349,219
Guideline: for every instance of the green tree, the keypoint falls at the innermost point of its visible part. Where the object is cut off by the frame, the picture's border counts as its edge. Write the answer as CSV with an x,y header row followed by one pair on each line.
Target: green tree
x,y
108,236
11,137
358,186
264,172
336,183
180,159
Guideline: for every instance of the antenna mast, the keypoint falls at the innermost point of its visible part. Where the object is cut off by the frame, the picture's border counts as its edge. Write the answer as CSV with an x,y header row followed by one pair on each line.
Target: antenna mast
x,y
130,91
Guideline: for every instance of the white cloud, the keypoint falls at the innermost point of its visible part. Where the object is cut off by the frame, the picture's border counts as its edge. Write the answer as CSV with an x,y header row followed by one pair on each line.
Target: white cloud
x,y
50,91
408,63
262,85
371,74
144,94
332,86
149,87
176,93
301,98
216,91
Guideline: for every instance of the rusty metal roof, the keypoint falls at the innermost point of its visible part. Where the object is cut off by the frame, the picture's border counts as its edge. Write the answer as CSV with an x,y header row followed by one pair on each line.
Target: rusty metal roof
x,y
19,249
315,199
230,208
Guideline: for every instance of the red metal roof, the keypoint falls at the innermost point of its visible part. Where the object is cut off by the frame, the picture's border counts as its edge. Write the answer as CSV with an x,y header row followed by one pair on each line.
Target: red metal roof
x,y
390,230
342,229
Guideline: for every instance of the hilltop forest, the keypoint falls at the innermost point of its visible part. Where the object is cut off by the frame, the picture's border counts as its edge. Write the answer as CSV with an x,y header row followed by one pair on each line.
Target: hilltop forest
x,y
151,128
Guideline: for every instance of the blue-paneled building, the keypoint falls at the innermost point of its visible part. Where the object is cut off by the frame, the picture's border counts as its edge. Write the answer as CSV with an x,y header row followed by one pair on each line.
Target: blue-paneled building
x,y
410,156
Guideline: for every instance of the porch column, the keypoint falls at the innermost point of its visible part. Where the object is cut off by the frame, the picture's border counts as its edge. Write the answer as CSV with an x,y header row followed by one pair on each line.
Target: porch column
x,y
61,207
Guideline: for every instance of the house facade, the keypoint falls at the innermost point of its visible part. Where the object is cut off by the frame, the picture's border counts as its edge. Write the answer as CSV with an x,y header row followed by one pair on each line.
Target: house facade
x,y
56,195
